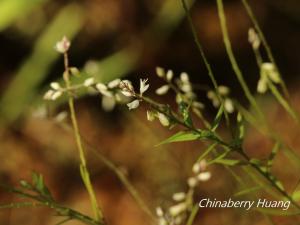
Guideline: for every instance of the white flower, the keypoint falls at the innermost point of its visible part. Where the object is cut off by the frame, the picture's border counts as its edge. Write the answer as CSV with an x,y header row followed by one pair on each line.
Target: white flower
x,y
228,105
163,119
169,75
160,72
56,95
162,90
114,83
179,196
150,115
223,90
159,211
192,182
270,70
196,168
143,86
55,85
63,45
162,221
204,176
184,77
103,90
89,82
177,209
134,104
262,85
48,95
108,103
126,88
253,38
60,117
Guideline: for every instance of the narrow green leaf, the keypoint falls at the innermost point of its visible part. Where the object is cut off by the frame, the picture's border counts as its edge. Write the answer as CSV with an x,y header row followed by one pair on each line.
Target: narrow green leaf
x,y
273,155
228,162
247,191
180,137
218,118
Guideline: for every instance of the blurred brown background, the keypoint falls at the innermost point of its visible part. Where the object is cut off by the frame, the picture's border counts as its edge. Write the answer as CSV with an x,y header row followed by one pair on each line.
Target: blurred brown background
x,y
127,38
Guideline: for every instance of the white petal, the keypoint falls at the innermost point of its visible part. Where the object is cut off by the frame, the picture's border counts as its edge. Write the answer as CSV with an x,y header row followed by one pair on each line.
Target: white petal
x,y
56,95
179,196
204,176
169,75
143,86
186,87
150,115
48,95
89,82
177,209
160,72
134,104
184,77
162,90
108,103
262,86
196,167
163,119
228,105
63,45
159,211
101,87
223,90
192,182
55,85
114,83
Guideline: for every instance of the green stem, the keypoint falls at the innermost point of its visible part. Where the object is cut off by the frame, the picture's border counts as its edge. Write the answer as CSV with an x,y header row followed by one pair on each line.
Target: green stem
x,y
233,61
83,165
265,43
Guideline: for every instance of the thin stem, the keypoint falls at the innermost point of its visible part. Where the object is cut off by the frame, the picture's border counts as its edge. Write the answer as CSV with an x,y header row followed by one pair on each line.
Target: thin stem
x,y
233,61
193,214
265,44
83,165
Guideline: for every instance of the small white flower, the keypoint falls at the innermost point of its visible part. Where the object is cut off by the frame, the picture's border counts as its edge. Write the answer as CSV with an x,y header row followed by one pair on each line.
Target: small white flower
x,y
253,38
159,211
163,119
184,77
55,85
60,117
126,88
228,105
271,72
48,95
89,82
114,83
175,210
203,164
56,95
63,45
134,104
186,87
169,75
192,182
108,103
204,176
150,115
143,86
196,167
162,90
223,90
262,85
160,72
179,196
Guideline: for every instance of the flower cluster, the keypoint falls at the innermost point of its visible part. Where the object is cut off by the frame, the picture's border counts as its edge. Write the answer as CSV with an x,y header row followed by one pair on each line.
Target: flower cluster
x,y
54,92
253,39
268,73
183,200
223,92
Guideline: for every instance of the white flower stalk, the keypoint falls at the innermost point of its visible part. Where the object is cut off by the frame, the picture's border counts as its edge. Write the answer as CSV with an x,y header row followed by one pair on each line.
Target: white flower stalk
x,y
180,196
55,85
169,75
114,83
162,90
177,209
143,86
134,104
253,38
89,82
204,176
163,119
63,45
160,72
